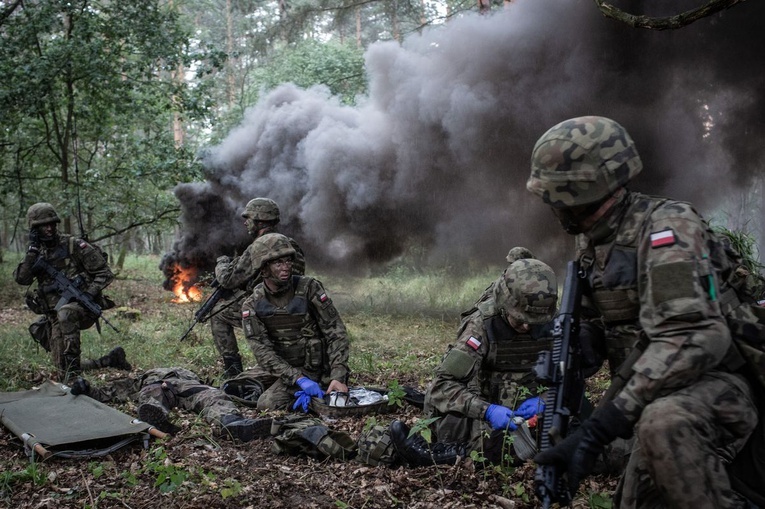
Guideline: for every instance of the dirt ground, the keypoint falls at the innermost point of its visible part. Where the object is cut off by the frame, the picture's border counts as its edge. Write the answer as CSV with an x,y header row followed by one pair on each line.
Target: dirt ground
x,y
197,468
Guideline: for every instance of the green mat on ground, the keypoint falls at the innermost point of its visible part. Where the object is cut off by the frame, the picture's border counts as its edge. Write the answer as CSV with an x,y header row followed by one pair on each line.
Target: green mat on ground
x,y
52,422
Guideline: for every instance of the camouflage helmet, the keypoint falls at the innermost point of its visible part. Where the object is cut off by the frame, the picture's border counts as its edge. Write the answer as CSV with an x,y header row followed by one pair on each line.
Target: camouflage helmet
x,y
40,214
581,161
261,209
527,291
518,253
270,246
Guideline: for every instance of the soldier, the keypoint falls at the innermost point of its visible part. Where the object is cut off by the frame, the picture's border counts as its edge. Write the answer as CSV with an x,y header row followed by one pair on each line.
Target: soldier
x,y
481,378
59,331
653,273
293,329
157,391
261,216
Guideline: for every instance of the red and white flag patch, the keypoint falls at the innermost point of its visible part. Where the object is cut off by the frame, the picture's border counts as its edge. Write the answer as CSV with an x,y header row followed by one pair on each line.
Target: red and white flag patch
x,y
245,313
663,238
473,343
323,297
83,244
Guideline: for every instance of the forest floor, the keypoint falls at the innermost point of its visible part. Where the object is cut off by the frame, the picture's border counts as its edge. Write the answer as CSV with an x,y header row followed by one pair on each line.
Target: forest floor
x,y
198,468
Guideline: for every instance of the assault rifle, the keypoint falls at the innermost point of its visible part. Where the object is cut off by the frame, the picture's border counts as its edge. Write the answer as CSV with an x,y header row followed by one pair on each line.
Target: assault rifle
x,y
70,291
204,313
560,370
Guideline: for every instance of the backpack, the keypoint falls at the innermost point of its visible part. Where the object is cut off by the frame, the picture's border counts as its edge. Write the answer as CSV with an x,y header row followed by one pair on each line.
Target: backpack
x,y
295,434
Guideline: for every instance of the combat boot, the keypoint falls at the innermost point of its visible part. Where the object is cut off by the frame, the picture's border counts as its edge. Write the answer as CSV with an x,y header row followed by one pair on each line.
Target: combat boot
x,y
417,452
114,359
246,429
154,414
232,365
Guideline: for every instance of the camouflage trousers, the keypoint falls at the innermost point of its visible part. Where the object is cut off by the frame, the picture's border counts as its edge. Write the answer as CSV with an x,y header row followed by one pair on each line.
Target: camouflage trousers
x,y
65,349
169,388
226,315
684,441
278,397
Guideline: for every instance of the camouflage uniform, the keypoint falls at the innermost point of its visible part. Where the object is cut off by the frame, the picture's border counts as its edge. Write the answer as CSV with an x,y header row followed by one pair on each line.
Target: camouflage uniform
x,y
297,333
650,266
238,275
490,364
74,258
168,388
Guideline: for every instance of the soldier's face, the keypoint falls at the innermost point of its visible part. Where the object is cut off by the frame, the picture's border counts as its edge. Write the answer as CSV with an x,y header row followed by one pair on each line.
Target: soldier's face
x,y
280,269
47,231
519,326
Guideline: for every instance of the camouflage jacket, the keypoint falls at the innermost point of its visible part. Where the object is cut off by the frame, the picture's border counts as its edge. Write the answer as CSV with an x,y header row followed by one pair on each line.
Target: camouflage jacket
x,y
297,334
651,276
489,363
239,274
74,257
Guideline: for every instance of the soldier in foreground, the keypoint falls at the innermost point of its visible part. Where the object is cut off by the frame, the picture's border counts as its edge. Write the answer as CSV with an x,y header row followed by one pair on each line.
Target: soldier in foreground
x,y
157,391
261,216
293,329
80,262
482,377
657,278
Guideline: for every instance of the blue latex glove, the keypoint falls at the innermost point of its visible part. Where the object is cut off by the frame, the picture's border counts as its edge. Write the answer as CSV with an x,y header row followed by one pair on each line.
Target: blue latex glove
x,y
500,417
310,387
302,401
531,407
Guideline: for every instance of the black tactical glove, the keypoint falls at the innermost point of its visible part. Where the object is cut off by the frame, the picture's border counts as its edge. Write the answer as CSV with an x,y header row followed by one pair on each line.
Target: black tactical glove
x,y
80,386
577,453
34,241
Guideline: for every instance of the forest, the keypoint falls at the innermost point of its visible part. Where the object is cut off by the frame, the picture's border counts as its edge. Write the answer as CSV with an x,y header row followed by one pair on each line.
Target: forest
x,y
395,136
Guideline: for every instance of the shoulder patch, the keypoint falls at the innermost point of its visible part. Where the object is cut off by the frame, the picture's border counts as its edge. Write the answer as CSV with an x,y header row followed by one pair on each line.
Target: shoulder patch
x,y
663,238
245,313
83,244
323,297
473,343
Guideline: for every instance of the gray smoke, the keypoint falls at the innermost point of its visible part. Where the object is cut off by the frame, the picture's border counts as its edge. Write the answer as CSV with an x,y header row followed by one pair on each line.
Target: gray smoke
x,y
435,159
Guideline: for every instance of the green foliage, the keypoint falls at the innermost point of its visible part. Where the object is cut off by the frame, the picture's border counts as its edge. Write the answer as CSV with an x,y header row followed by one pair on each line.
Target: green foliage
x,y
396,394
422,428
339,67
89,94
600,501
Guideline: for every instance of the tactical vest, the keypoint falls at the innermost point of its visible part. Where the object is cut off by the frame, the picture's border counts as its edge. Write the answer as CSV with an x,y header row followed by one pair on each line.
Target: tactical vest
x,y
613,281
511,359
292,329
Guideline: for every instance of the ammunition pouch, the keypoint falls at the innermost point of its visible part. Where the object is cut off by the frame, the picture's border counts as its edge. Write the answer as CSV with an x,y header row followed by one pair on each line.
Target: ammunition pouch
x,y
35,302
41,331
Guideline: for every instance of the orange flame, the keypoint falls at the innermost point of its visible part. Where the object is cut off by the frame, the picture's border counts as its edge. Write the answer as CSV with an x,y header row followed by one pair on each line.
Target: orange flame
x,y
183,285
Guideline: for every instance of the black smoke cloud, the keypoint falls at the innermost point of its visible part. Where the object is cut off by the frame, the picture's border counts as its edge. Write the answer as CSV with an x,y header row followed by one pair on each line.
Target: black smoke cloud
x,y
438,153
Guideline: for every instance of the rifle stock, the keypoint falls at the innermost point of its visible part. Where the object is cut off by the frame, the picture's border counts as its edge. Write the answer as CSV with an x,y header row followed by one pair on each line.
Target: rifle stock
x,y
70,291
204,313
561,372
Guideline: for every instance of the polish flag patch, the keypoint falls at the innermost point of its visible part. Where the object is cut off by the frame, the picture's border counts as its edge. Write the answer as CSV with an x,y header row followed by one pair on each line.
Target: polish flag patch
x,y
663,238
83,244
473,343
323,297
245,313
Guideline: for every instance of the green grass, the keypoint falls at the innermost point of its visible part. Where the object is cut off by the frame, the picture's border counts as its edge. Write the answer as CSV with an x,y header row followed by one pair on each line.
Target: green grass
x,y
399,323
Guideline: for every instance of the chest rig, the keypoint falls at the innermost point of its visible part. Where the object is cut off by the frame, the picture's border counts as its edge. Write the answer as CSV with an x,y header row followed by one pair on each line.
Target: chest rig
x,y
291,328
510,360
58,257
